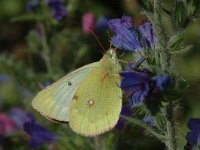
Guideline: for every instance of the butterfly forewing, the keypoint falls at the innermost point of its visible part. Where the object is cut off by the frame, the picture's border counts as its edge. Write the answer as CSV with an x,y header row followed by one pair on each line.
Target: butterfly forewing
x,y
54,101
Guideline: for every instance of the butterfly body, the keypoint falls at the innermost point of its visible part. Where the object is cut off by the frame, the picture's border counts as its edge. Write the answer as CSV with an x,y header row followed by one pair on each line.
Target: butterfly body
x,y
91,103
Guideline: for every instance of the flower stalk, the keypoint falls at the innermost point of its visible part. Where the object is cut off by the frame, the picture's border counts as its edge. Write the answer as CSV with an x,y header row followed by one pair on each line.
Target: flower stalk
x,y
170,133
165,64
46,50
161,50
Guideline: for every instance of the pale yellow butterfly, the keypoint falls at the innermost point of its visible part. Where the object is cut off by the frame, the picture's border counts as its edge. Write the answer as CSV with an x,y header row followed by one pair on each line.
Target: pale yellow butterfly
x,y
89,98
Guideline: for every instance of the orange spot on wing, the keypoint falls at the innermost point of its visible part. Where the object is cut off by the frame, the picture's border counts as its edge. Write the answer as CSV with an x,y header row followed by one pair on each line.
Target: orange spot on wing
x,y
106,75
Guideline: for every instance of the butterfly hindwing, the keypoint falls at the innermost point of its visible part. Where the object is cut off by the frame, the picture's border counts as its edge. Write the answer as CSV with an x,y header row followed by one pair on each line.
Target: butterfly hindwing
x,y
96,105
54,101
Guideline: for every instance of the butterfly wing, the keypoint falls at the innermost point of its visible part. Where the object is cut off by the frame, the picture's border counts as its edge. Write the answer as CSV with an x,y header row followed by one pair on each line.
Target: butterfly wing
x,y
96,105
54,101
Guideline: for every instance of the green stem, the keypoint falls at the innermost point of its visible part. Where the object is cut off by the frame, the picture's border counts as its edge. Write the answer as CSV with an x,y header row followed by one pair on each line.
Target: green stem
x,y
97,143
144,125
161,41
158,24
46,50
161,48
170,133
45,47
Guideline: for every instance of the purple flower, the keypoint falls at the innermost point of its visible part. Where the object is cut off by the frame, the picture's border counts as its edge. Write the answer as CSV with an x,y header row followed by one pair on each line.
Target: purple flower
x,y
128,37
117,25
39,135
146,30
102,23
32,4
126,111
162,81
88,22
20,117
141,84
58,9
137,85
7,126
26,122
193,136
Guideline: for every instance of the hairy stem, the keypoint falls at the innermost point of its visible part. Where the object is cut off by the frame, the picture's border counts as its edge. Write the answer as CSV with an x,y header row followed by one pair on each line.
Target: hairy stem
x,y
144,125
170,133
161,50
165,65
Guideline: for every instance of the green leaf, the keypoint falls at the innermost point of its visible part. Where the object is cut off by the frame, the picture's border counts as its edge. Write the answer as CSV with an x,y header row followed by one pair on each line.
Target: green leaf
x,y
175,44
34,17
175,40
160,121
34,42
182,50
193,7
25,17
181,16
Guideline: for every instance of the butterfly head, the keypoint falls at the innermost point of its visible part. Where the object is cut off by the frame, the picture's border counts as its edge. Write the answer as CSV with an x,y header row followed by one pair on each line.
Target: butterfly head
x,y
110,59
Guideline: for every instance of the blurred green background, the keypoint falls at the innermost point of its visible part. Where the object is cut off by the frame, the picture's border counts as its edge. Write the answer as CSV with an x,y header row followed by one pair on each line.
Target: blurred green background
x,y
30,60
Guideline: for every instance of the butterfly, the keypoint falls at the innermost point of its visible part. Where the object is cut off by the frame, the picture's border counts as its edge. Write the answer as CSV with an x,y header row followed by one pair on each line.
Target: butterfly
x,y
89,98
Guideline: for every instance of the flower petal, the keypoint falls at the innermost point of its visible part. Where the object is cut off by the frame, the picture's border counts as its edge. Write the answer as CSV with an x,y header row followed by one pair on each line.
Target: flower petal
x,y
126,40
7,126
162,81
39,134
194,124
133,78
130,38
146,29
58,9
126,110
117,25
193,137
139,93
88,21
19,116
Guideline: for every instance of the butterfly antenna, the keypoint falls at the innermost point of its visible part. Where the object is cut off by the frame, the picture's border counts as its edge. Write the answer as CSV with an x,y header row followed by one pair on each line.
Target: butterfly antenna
x,y
95,36
110,39
108,33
